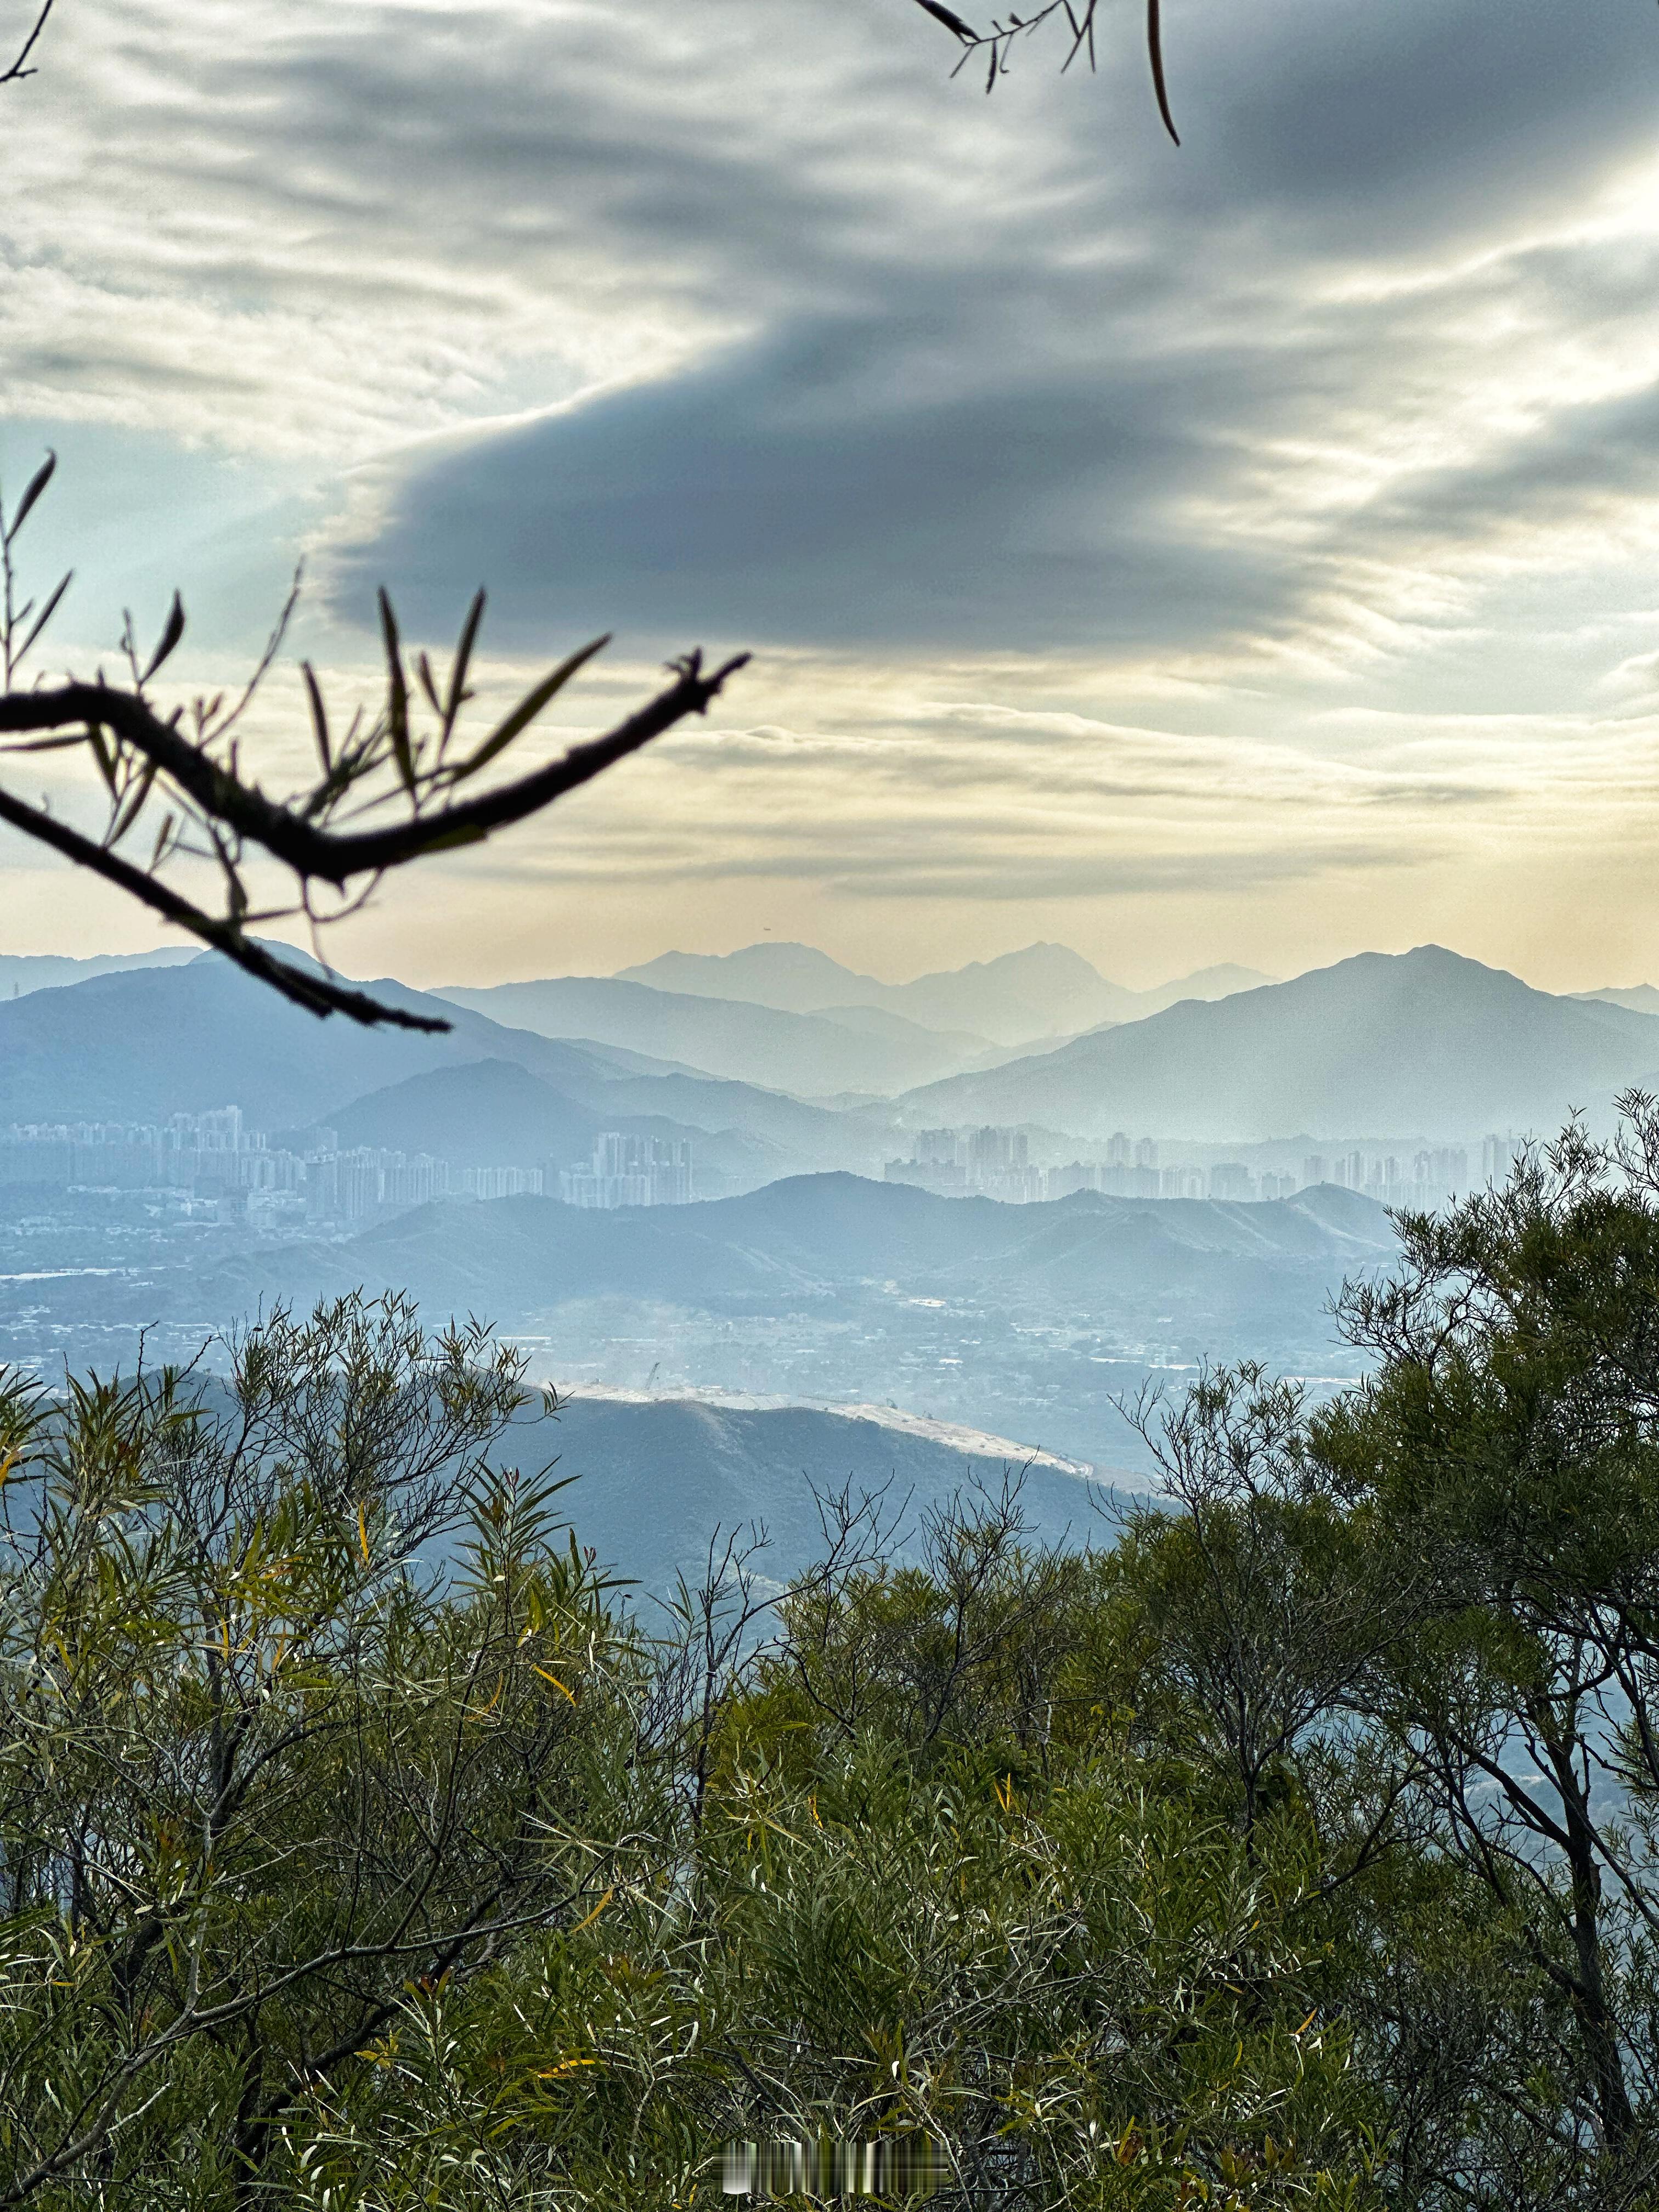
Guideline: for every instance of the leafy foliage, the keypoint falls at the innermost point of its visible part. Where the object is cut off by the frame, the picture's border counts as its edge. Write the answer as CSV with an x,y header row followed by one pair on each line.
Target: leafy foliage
x,y
365,1847
258,1771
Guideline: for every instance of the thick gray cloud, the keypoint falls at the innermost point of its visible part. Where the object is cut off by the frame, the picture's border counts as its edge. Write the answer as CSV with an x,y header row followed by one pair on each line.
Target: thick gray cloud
x,y
1079,412
1375,129
1253,542
774,493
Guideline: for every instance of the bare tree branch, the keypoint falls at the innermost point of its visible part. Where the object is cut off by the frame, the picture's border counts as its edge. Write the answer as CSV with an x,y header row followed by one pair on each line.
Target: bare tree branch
x,y
282,830
407,757
21,67
316,993
997,43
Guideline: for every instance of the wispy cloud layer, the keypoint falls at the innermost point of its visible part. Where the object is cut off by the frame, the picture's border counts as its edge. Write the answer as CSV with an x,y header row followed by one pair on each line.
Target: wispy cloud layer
x,y
1229,544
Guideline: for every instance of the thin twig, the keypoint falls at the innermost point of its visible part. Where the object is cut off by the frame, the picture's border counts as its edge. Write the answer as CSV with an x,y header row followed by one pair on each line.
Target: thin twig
x,y
315,992
997,43
211,811
20,68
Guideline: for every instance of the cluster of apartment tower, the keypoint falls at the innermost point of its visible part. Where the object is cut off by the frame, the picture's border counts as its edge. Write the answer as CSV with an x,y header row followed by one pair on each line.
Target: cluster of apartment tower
x,y
627,1170
995,1163
217,1157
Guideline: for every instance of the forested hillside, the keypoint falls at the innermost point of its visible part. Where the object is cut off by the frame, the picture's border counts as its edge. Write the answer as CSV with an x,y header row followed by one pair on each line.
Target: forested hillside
x,y
1284,1843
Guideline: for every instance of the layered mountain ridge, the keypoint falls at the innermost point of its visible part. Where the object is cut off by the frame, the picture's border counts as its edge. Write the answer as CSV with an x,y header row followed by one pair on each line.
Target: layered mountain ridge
x,y
1427,1043
1420,1045
1040,991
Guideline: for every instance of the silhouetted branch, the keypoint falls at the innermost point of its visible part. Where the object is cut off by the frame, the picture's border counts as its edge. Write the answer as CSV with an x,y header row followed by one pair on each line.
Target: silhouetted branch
x,y
408,756
22,66
997,43
315,992
333,859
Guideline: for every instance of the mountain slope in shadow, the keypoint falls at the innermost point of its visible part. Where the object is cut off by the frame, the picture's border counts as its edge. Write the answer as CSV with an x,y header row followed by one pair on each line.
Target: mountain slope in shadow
x,y
1419,1043
811,1055
143,1044
654,1478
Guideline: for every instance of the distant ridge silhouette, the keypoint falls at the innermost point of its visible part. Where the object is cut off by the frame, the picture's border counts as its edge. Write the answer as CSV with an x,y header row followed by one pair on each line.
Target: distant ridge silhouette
x,y
1423,1043
1044,990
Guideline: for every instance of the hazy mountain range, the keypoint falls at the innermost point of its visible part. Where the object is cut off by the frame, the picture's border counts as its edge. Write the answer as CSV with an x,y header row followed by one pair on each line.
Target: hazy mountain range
x,y
23,972
1044,991
141,1045
1420,1044
1027,1320
1425,1041
1639,999
811,1279
494,1113
860,1050
818,1236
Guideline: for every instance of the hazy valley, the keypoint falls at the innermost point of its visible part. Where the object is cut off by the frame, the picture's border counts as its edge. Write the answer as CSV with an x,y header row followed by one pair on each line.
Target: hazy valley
x,y
1200,1174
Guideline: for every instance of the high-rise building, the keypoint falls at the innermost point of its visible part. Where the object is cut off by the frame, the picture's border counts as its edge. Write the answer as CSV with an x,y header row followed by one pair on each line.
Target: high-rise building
x,y
938,1148
995,1152
1081,1174
990,1163
503,1182
630,1170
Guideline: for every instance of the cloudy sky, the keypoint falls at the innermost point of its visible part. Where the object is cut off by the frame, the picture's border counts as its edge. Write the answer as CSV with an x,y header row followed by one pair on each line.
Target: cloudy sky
x,y
1244,552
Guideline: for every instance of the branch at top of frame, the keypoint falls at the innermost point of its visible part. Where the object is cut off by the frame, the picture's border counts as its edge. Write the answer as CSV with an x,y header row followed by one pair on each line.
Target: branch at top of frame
x,y
20,67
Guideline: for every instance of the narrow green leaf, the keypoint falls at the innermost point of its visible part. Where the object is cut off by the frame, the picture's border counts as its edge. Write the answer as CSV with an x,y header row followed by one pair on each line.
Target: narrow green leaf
x,y
318,717
170,637
102,755
529,707
458,692
396,697
37,484
135,806
423,670
46,614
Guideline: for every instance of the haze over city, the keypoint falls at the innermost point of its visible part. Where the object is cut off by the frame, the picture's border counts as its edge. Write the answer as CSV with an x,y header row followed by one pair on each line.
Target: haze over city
x,y
1192,784
829,1105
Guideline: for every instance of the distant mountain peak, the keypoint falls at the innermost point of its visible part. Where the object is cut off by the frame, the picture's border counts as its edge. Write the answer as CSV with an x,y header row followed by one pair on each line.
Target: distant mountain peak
x,y
789,976
1014,997
1042,991
22,972
1222,980
1428,1044
1634,998
1043,958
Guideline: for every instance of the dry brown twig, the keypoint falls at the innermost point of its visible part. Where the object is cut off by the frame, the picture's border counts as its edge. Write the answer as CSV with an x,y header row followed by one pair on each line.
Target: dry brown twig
x,y
391,789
